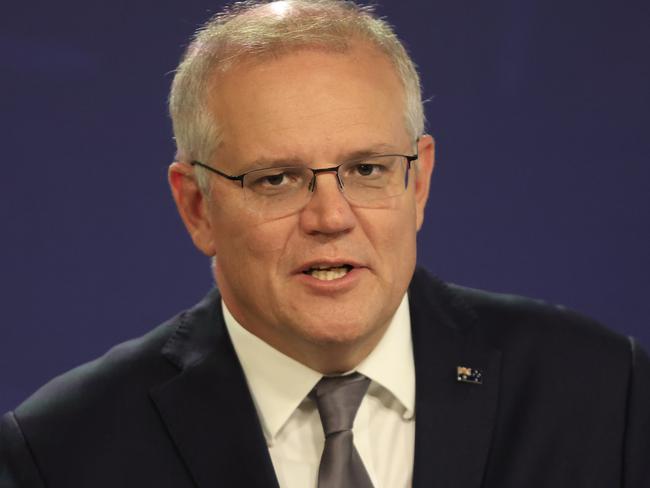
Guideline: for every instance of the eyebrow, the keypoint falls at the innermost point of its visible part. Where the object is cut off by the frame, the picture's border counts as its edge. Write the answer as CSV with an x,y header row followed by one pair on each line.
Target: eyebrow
x,y
266,162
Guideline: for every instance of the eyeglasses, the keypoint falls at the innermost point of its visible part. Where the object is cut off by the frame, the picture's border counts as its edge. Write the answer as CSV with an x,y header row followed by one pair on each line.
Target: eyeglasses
x,y
279,191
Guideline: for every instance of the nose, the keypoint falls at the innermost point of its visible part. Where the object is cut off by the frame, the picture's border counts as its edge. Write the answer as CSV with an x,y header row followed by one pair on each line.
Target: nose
x,y
328,211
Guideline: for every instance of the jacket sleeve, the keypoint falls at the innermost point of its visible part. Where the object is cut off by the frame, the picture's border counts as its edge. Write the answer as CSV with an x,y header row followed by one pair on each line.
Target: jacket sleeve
x,y
17,466
636,456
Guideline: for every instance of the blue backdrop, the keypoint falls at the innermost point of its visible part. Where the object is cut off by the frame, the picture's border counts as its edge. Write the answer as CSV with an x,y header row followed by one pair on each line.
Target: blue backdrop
x,y
540,109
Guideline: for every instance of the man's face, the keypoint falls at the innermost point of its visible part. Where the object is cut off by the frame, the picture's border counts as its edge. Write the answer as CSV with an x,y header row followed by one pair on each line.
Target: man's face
x,y
314,108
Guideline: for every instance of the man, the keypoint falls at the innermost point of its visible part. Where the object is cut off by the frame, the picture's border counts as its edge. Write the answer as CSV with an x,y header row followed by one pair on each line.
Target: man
x,y
303,172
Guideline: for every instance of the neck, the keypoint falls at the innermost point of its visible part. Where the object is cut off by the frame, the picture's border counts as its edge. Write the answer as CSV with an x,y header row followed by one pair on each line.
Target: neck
x,y
332,359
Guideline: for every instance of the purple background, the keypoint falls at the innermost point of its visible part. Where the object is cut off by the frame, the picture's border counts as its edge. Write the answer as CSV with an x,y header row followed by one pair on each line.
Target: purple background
x,y
540,109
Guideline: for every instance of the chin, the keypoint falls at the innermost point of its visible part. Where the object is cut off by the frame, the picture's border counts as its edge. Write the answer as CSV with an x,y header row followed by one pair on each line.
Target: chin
x,y
328,333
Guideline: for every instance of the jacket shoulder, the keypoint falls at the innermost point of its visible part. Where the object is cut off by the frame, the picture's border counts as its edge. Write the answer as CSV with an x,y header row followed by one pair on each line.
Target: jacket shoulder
x,y
129,366
128,369
106,407
507,318
519,325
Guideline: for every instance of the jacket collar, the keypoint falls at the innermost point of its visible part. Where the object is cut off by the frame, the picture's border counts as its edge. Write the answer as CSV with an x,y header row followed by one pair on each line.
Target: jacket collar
x,y
454,420
207,408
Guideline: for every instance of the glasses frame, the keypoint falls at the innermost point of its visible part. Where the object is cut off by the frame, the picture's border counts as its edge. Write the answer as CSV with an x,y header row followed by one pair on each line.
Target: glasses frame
x,y
315,171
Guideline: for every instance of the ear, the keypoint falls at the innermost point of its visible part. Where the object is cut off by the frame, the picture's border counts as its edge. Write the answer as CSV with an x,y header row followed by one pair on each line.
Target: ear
x,y
425,164
192,206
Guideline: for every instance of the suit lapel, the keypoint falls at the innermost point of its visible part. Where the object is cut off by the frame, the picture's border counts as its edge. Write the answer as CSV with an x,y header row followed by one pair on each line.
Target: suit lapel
x,y
207,408
454,420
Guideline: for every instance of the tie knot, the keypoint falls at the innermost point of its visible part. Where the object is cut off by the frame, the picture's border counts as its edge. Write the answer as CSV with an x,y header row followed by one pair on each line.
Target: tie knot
x,y
338,399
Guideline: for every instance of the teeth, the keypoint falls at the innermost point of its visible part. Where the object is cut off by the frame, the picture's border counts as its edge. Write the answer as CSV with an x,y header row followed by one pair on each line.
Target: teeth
x,y
329,274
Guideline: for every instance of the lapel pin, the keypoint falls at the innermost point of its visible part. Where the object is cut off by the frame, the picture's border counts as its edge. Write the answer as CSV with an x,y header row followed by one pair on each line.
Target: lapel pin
x,y
468,375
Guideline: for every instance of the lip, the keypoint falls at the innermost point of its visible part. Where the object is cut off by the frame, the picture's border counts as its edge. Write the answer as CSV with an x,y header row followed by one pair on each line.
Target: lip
x,y
332,287
329,262
339,285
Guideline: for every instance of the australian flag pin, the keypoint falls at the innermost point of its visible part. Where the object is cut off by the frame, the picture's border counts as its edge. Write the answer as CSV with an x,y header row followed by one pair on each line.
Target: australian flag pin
x,y
468,375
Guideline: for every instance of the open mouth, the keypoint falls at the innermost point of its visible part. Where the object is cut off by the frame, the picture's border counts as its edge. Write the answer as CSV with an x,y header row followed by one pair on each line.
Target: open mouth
x,y
328,272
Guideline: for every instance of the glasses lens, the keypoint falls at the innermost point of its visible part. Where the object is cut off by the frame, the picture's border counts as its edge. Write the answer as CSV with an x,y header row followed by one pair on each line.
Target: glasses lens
x,y
277,191
371,181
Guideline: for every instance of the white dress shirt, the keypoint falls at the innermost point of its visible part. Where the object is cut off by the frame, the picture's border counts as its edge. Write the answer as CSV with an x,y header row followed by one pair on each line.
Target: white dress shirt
x,y
384,428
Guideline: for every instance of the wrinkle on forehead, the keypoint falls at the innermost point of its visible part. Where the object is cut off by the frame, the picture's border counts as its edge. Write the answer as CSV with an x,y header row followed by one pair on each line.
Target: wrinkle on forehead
x,y
296,159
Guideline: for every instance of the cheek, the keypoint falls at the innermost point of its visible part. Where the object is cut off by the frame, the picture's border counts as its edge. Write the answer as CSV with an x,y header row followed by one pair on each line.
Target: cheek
x,y
245,240
392,224
270,237
391,233
248,254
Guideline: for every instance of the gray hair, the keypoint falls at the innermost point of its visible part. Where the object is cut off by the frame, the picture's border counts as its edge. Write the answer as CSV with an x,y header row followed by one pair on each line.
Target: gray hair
x,y
263,29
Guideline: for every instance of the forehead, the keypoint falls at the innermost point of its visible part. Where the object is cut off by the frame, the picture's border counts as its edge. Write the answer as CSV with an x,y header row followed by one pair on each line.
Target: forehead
x,y
318,102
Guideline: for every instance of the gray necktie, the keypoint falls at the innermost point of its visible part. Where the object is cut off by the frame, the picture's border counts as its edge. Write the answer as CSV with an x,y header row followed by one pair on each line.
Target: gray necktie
x,y
338,399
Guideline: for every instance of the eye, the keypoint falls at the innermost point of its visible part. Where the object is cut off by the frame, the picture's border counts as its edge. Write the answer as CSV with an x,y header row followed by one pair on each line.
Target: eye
x,y
366,169
274,180
270,179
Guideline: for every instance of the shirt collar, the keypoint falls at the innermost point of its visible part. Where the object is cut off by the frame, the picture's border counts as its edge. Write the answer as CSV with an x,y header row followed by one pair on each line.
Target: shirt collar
x,y
279,384
391,363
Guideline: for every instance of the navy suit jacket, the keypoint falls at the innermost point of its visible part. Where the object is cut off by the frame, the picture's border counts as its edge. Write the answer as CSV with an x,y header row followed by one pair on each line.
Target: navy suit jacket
x,y
563,403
